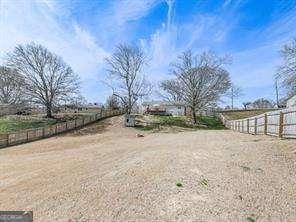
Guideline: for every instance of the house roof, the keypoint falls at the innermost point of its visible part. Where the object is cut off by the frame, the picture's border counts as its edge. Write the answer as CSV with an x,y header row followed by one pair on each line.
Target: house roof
x,y
292,97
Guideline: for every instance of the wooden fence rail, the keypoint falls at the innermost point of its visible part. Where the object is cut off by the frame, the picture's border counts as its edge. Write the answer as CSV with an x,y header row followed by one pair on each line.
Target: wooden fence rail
x,y
280,123
29,135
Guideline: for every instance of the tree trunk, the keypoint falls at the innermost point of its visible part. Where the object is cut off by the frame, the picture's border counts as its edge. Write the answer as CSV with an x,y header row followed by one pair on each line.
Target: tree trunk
x,y
232,103
49,111
193,114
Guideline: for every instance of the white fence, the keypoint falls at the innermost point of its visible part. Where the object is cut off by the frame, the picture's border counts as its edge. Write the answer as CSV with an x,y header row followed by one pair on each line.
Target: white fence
x,y
281,123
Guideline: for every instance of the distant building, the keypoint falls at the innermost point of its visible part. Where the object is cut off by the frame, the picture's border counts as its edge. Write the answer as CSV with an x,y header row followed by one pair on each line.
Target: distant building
x,y
164,108
9,109
6,109
89,108
291,102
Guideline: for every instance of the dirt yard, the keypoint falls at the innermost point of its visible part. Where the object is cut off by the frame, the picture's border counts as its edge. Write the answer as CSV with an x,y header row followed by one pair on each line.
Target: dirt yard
x,y
106,173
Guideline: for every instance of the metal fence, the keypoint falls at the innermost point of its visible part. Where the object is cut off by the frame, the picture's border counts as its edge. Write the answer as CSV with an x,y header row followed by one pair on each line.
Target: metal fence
x,y
29,135
281,123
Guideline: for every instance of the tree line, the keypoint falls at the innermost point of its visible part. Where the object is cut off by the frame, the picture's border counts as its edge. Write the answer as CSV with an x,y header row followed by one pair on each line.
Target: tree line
x,y
34,75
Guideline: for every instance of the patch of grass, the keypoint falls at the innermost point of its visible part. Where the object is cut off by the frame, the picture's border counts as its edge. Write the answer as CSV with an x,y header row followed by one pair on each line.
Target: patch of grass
x,y
241,114
251,219
204,122
211,122
179,184
245,168
180,121
204,182
146,128
17,123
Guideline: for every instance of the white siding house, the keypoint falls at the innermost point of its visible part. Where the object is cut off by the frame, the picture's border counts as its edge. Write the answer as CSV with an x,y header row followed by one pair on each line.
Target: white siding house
x,y
291,102
171,108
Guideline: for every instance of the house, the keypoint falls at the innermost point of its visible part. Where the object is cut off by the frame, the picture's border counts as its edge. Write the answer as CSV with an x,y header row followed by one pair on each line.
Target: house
x,y
12,109
90,108
6,109
164,108
291,102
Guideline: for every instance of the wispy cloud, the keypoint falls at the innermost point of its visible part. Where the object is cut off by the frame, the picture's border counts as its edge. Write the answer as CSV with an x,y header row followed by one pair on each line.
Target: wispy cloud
x,y
26,21
130,10
161,46
85,32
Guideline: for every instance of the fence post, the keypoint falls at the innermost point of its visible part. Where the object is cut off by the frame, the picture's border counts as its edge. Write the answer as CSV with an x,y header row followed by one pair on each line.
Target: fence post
x,y
242,126
43,131
75,123
265,124
27,135
7,139
281,124
255,126
248,125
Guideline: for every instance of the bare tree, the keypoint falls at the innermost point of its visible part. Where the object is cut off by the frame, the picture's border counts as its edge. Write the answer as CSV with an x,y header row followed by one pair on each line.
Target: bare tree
x,y
11,86
113,102
287,71
199,80
262,104
247,104
47,78
233,93
276,87
172,91
125,67
76,101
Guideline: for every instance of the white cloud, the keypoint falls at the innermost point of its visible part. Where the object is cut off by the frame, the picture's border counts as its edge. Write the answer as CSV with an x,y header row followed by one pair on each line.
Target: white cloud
x,y
26,21
161,46
49,23
130,10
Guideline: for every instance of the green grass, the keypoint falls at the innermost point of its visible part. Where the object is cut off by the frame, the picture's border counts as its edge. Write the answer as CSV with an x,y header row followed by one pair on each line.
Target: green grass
x,y
14,124
179,184
206,122
204,182
211,122
173,121
10,124
245,168
146,128
241,114
251,219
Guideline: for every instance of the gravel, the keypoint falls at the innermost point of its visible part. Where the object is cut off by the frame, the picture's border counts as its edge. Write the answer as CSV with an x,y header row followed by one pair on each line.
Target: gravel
x,y
110,174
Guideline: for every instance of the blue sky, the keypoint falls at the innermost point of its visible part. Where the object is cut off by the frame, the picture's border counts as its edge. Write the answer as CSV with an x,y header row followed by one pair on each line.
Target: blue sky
x,y
85,32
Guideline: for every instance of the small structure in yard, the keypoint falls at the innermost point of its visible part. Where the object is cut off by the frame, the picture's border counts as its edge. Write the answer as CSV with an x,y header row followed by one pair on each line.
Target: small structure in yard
x,y
129,120
164,108
291,102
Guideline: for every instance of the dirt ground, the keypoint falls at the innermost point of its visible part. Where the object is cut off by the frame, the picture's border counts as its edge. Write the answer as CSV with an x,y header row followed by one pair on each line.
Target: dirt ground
x,y
106,173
